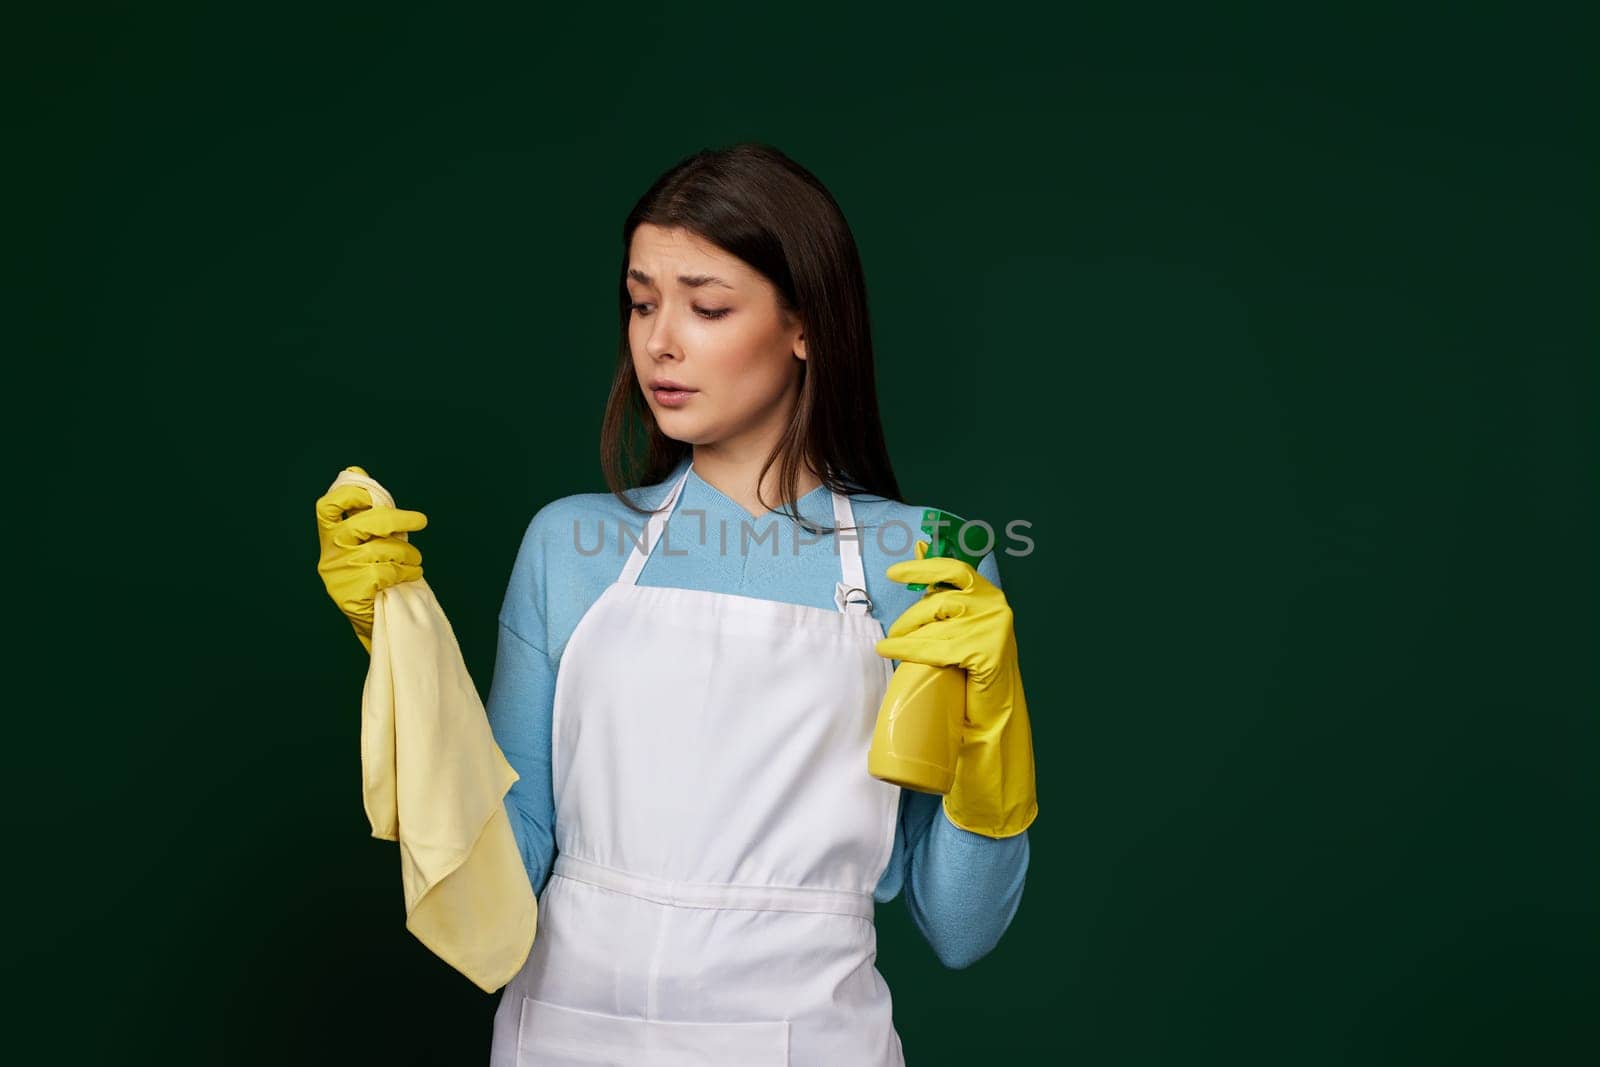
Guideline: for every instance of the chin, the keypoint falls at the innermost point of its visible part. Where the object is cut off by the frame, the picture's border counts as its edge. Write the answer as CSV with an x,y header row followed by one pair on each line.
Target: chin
x,y
685,430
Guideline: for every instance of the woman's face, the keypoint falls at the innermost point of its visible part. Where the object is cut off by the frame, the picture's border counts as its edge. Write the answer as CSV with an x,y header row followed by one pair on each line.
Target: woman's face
x,y
708,322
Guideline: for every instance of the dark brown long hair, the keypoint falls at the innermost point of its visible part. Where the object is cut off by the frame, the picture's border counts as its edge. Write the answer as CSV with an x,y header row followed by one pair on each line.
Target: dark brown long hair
x,y
754,202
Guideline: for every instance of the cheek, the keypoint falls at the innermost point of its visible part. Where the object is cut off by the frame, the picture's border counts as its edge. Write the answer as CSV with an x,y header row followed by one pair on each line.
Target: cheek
x,y
748,362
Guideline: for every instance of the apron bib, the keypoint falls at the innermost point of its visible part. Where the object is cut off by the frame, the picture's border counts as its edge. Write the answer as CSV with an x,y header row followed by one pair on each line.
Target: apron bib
x,y
718,837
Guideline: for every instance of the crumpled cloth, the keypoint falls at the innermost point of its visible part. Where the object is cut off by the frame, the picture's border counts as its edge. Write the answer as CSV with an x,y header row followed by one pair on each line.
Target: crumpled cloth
x,y
434,780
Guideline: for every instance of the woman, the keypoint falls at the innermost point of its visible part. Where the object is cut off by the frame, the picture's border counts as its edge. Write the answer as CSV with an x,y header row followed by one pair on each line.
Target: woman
x,y
687,680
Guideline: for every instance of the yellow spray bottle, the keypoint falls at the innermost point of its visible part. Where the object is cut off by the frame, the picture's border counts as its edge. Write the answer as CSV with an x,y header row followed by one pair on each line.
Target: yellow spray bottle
x,y
918,733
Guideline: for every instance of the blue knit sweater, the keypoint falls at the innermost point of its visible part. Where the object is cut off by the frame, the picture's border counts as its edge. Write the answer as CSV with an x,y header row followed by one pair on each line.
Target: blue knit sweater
x,y
962,888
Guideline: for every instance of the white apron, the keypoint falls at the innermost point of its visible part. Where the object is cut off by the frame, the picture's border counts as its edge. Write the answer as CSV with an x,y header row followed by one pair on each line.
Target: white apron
x,y
718,837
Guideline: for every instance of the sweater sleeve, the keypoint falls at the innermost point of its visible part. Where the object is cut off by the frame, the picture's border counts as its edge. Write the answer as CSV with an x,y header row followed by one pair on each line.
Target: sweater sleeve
x,y
521,699
521,703
962,888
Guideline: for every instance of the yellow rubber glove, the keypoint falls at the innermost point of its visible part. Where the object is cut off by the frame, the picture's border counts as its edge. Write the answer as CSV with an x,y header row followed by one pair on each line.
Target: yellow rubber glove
x,y
969,627
364,549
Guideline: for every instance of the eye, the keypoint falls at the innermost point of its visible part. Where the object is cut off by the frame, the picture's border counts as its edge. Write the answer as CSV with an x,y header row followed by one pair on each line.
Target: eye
x,y
705,313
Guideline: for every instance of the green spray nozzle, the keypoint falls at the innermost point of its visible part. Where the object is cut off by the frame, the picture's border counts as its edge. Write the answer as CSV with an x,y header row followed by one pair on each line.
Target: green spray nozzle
x,y
942,529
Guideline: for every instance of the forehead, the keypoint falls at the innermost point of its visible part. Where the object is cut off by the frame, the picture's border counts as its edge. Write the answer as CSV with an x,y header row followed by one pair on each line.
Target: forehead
x,y
664,254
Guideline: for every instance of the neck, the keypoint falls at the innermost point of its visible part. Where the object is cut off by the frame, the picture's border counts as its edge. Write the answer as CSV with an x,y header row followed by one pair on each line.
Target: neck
x,y
734,474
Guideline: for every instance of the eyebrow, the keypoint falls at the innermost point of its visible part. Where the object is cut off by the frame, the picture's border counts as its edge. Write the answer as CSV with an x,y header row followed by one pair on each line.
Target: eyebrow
x,y
693,281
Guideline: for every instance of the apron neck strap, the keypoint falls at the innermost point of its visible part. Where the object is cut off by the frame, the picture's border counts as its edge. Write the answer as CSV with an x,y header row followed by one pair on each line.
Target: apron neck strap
x,y
652,532
851,594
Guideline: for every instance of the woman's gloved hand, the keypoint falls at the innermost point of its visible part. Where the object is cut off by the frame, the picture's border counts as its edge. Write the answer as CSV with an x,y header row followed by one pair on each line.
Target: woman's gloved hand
x,y
969,627
364,549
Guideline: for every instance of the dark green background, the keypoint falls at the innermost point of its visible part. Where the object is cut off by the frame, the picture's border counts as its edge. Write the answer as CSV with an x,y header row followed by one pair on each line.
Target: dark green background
x,y
1278,328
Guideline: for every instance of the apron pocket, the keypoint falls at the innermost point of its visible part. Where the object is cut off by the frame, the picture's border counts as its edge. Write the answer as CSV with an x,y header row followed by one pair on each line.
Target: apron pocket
x,y
551,1035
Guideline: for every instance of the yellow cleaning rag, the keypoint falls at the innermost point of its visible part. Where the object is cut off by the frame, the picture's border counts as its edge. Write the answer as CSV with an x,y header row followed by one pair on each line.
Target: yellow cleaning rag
x,y
434,780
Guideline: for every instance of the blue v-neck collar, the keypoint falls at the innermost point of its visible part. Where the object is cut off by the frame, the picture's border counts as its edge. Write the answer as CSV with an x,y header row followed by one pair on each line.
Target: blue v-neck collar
x,y
816,506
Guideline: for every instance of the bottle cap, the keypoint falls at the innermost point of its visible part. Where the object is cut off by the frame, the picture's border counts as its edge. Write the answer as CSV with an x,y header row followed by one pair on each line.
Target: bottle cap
x,y
943,529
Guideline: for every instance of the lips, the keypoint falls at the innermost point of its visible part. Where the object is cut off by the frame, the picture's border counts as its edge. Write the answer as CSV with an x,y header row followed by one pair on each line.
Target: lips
x,y
668,394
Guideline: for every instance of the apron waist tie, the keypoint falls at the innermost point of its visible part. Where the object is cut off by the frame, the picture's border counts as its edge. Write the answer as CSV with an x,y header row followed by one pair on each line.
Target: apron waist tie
x,y
715,895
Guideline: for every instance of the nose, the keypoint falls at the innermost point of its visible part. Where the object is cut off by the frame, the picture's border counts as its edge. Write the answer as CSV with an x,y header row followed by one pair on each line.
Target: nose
x,y
658,343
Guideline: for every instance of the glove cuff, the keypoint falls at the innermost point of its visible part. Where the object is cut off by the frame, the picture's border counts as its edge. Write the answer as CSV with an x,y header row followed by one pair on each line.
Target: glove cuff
x,y
994,790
